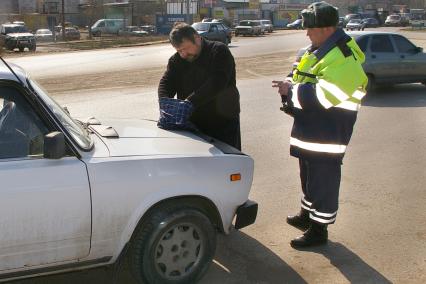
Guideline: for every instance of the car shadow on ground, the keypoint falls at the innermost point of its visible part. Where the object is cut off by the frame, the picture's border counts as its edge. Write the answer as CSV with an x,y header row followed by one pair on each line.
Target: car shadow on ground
x,y
242,259
352,267
405,95
239,259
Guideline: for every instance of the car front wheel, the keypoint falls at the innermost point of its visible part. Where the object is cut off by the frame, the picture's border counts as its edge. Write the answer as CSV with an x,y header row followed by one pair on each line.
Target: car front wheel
x,y
174,245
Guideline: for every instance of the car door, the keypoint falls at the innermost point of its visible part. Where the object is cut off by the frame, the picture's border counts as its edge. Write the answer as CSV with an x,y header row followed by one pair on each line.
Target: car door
x,y
412,60
222,36
383,58
213,33
45,204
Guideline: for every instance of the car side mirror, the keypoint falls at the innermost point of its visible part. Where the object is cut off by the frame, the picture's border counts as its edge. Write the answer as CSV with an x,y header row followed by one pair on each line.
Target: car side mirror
x,y
418,49
54,145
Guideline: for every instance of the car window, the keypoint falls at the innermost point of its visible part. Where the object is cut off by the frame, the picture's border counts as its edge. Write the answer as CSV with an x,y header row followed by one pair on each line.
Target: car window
x,y
403,45
110,24
101,24
220,28
362,43
21,130
213,28
381,43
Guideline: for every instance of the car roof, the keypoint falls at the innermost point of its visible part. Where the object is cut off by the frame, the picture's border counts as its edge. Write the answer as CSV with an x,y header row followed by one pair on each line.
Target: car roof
x,y
6,74
11,25
360,33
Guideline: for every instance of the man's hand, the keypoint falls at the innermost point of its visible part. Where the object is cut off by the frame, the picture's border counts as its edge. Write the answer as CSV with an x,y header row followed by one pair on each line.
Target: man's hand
x,y
283,87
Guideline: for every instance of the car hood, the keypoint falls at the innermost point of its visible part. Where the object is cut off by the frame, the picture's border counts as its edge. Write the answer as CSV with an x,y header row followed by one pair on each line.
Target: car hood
x,y
20,34
144,138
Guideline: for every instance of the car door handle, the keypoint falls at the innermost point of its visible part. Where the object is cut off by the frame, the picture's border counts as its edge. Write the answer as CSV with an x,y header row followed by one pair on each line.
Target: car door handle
x,y
373,56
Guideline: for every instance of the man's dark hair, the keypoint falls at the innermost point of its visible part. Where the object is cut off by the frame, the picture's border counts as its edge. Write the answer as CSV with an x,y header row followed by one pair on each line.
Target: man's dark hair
x,y
180,32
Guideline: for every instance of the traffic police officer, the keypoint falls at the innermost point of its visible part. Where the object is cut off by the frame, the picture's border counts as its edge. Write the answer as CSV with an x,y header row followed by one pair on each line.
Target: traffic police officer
x,y
323,94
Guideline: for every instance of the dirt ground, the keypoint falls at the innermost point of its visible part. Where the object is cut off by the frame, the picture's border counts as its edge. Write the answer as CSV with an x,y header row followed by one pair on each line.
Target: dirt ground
x,y
246,67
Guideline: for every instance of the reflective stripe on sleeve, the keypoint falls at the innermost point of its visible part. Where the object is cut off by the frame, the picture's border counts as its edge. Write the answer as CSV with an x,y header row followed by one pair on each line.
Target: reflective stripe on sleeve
x,y
358,94
333,90
295,97
317,147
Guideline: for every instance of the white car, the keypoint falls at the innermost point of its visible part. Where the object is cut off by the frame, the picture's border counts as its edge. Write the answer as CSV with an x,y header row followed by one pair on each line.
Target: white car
x,y
76,195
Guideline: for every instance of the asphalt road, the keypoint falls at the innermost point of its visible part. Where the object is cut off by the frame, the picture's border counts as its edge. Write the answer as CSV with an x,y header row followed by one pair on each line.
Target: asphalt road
x,y
380,232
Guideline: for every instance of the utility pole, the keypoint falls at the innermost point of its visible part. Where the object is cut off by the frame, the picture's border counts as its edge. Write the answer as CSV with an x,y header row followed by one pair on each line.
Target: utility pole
x,y
187,12
63,20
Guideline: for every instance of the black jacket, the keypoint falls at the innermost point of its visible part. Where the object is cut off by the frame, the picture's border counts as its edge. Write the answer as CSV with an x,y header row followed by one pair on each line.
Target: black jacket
x,y
208,82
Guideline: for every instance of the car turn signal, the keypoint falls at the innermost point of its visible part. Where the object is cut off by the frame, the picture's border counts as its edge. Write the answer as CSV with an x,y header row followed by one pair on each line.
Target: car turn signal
x,y
236,177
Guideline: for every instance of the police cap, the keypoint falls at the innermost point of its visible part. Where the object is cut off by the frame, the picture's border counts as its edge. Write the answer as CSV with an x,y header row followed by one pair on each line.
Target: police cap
x,y
320,15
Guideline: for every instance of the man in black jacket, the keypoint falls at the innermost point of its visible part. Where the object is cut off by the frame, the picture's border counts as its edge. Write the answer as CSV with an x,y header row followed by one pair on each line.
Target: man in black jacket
x,y
203,72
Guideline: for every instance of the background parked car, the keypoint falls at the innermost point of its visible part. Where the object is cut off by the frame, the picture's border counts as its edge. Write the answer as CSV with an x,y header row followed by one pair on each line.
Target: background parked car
x,y
295,25
107,26
355,24
17,36
132,31
248,27
213,31
44,35
150,29
70,34
393,20
370,23
349,17
390,58
262,27
269,27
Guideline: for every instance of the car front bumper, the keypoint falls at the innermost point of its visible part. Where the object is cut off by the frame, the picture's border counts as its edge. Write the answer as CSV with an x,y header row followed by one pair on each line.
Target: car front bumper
x,y
246,214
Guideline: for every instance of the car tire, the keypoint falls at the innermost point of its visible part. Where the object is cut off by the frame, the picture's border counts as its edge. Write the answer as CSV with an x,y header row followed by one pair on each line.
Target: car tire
x,y
33,48
371,85
226,42
21,49
174,245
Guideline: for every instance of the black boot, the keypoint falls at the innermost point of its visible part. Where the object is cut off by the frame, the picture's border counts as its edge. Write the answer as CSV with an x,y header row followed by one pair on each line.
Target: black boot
x,y
316,235
300,221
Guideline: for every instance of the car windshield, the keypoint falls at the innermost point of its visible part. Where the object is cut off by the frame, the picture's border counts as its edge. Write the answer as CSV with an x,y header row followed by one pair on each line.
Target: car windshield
x,y
266,22
201,27
355,21
247,23
75,129
15,29
394,17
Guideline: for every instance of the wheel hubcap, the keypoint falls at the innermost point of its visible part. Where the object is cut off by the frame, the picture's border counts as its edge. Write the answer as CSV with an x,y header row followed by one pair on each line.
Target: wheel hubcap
x,y
178,251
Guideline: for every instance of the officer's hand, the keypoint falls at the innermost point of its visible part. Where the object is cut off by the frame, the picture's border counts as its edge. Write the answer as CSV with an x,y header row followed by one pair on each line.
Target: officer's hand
x,y
283,87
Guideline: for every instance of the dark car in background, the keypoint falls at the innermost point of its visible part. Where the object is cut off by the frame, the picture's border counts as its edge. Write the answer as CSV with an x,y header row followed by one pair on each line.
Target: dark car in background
x,y
213,31
17,36
390,58
248,27
150,29
71,33
132,31
370,23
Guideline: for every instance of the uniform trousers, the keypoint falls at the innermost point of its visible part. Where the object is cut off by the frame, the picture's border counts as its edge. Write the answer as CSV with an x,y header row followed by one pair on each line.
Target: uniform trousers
x,y
320,185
